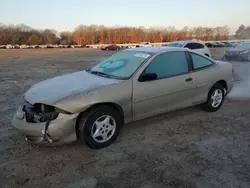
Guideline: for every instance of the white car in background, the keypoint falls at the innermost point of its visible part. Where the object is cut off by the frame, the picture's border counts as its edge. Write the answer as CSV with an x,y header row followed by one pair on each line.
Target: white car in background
x,y
9,46
131,46
145,44
192,45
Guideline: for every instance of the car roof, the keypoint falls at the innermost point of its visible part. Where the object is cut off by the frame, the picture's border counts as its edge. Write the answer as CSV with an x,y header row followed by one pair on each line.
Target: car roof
x,y
156,49
187,41
183,41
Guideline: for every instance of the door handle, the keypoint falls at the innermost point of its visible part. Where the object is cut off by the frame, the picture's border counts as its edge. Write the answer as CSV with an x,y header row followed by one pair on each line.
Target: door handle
x,y
189,79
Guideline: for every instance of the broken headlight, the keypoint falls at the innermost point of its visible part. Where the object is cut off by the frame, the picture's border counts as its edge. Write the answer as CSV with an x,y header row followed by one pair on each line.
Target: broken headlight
x,y
42,113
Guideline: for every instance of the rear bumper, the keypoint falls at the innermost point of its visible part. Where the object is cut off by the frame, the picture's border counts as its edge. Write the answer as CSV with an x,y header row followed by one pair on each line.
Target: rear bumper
x,y
60,130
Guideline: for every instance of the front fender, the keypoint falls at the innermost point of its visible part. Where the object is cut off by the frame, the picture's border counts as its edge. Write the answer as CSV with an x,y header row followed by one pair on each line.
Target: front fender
x,y
120,95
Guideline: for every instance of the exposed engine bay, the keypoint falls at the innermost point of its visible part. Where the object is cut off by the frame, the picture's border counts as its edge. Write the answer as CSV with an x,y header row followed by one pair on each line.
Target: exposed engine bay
x,y
38,113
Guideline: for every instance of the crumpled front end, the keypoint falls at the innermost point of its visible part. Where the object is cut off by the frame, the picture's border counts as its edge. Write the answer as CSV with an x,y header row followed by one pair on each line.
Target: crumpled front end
x,y
45,124
237,55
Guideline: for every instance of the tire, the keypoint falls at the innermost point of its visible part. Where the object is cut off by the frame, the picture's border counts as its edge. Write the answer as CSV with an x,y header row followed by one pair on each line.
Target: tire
x,y
87,127
212,105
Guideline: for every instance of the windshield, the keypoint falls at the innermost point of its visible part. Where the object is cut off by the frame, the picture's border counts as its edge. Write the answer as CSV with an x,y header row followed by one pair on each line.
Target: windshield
x,y
176,44
121,65
244,45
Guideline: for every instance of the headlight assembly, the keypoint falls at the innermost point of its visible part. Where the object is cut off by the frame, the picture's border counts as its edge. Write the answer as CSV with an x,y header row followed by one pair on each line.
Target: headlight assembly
x,y
244,52
41,113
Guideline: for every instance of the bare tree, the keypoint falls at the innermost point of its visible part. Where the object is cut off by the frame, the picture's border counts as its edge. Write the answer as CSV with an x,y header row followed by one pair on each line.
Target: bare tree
x,y
33,40
65,37
239,32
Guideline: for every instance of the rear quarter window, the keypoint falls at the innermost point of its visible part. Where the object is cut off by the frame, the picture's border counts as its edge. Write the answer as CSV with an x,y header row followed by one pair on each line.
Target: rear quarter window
x,y
199,46
200,62
191,46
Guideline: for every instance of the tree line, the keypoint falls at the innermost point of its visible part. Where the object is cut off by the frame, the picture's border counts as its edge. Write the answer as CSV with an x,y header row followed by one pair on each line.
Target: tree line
x,y
243,32
100,34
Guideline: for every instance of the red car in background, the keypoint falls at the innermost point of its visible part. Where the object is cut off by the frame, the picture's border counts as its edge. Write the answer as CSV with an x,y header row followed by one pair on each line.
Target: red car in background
x,y
111,47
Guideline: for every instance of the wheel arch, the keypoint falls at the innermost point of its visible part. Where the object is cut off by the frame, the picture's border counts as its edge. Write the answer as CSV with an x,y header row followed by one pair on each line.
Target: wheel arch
x,y
205,105
221,82
116,106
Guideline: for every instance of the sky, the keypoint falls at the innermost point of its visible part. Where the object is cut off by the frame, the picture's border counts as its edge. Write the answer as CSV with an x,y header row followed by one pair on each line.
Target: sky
x,y
65,15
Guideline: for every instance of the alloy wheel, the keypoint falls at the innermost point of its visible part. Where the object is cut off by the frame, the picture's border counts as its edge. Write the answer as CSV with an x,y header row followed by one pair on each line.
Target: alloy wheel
x,y
217,98
103,128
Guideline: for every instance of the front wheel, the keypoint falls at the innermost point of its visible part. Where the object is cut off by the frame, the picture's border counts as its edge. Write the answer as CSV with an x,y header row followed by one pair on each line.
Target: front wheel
x,y
215,98
99,127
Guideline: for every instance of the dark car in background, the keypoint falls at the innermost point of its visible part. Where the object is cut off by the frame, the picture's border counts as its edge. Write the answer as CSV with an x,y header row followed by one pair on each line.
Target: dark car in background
x,y
209,45
240,52
218,44
111,47
227,44
16,46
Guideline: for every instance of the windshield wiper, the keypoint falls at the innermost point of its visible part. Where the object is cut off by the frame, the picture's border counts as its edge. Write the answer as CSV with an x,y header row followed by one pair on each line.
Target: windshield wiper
x,y
105,75
100,73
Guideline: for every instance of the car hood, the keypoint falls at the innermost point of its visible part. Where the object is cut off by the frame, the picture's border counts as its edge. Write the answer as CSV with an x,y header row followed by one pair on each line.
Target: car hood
x,y
52,90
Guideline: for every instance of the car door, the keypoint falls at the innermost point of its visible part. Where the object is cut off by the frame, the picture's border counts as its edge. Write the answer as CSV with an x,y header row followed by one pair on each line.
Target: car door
x,y
202,74
172,89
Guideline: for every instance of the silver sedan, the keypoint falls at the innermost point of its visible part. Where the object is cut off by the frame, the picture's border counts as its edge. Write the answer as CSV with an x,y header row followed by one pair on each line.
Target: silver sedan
x,y
92,105
240,52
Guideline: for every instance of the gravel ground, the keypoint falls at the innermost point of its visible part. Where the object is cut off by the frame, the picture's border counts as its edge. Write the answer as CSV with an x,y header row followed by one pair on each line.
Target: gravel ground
x,y
183,149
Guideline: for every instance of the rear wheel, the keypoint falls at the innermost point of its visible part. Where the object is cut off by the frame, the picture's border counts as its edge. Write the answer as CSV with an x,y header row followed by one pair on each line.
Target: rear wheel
x,y
99,127
215,98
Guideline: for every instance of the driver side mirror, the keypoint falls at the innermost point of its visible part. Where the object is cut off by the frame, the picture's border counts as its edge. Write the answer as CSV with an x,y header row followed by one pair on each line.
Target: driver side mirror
x,y
147,77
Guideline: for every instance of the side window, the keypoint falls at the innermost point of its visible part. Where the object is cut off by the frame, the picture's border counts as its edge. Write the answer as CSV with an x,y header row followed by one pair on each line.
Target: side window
x,y
168,64
191,46
199,61
199,46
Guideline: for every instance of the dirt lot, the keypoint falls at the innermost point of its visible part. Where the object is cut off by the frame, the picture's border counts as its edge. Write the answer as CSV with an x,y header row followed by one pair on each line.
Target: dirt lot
x,y
184,149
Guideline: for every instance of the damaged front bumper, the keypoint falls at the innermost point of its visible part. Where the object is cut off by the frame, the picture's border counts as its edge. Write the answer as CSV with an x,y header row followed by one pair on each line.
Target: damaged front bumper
x,y
57,131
